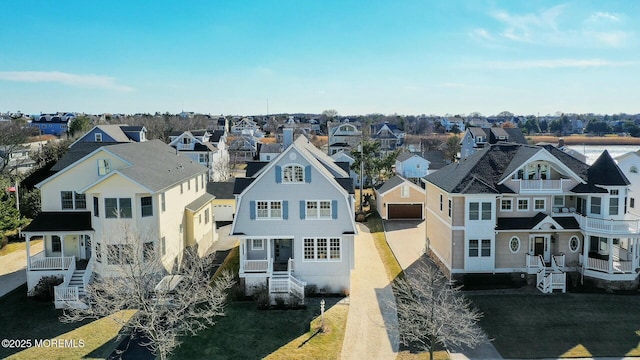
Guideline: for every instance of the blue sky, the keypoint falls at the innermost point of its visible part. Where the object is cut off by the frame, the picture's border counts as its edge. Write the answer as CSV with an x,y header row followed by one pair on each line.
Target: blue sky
x,y
357,57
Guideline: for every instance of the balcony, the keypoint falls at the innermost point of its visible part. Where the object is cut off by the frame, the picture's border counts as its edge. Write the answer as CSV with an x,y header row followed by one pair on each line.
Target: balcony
x,y
613,227
541,186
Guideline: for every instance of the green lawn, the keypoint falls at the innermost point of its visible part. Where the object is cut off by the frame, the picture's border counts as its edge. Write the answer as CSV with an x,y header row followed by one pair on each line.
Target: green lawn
x,y
248,333
24,318
561,325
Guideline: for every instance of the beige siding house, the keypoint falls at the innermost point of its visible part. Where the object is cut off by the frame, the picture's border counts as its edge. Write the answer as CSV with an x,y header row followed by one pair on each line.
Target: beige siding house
x,y
399,198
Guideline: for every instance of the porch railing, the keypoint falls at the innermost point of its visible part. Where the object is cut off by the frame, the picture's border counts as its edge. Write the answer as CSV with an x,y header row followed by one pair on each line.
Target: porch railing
x,y
557,262
603,265
609,226
287,284
597,264
86,277
620,253
256,265
64,292
623,266
38,262
540,185
535,261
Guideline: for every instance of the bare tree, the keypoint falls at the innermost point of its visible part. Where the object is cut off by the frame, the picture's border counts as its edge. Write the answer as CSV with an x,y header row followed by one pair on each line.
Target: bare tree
x,y
189,303
432,313
12,136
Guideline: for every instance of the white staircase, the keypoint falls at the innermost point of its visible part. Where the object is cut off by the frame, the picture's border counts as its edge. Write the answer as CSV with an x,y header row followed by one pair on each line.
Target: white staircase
x,y
77,280
284,283
553,278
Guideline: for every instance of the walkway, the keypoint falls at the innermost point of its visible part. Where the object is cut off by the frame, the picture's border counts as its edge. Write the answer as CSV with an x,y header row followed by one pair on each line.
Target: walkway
x,y
12,268
407,241
372,322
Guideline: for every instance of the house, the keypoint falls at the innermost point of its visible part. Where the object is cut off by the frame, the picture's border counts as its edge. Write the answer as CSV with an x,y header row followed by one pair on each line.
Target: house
x,y
246,126
348,159
475,138
196,146
520,209
52,124
400,199
561,146
120,133
295,223
267,152
629,163
16,159
388,135
224,203
436,160
343,137
242,148
88,206
411,165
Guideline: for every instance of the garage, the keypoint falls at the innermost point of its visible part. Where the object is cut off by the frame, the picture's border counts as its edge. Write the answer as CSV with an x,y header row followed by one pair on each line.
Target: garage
x,y
223,212
404,211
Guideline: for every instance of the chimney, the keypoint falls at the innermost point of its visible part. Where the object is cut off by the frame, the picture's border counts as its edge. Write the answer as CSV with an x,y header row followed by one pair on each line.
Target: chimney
x,y
560,142
287,137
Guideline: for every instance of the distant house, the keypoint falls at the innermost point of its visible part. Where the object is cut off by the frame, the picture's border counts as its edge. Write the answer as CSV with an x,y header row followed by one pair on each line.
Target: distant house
x,y
348,159
17,158
400,199
436,160
411,165
295,222
52,124
268,152
242,148
388,135
475,138
121,133
196,146
88,206
343,137
246,126
561,146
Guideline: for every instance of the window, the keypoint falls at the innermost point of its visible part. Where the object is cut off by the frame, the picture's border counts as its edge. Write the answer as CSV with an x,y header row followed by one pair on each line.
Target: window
x,y
486,248
119,254
257,244
613,192
67,199
104,166
441,202
523,204
514,244
473,248
613,206
206,216
163,203
97,137
269,209
574,243
322,249
96,208
539,204
203,158
404,191
196,181
293,174
318,209
146,206
56,244
506,204
98,252
486,211
595,204
199,218
148,251
474,211
558,201
117,208
80,201
189,184
450,207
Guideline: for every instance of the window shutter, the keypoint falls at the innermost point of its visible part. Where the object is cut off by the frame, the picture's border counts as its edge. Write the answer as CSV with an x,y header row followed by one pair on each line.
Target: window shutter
x,y
303,207
252,210
334,209
285,209
278,174
307,174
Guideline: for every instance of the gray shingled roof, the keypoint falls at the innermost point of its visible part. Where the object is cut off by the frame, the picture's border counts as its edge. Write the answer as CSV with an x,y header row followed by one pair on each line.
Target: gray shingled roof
x,y
115,132
155,165
604,171
198,203
60,221
77,152
221,190
390,184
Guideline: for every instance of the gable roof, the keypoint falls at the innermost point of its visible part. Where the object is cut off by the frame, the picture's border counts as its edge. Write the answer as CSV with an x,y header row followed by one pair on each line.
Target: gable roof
x,y
604,171
221,190
394,182
406,155
436,159
253,167
77,152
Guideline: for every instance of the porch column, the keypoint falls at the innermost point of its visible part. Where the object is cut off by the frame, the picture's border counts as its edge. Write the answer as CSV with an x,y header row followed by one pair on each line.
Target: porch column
x,y
585,250
61,236
610,247
268,244
28,245
242,254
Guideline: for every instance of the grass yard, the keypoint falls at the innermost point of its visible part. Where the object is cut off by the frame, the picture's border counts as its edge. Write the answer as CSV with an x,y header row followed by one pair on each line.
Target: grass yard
x,y
27,319
248,333
569,325
393,269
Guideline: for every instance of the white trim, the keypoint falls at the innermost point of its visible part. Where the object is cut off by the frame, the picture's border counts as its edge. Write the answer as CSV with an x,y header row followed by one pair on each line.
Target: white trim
x,y
519,244
553,201
328,249
510,200
569,244
544,208
261,247
404,181
544,155
518,204
269,203
318,217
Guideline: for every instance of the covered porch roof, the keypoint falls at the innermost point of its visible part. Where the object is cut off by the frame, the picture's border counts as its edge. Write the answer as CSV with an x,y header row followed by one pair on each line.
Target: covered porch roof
x,y
52,221
536,222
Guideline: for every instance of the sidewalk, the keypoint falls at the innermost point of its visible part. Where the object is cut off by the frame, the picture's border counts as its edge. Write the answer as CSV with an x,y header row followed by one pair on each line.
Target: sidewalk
x,y
12,268
372,323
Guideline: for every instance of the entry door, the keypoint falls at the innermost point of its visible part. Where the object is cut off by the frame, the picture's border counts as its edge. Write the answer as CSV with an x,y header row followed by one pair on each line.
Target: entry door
x,y
541,247
282,251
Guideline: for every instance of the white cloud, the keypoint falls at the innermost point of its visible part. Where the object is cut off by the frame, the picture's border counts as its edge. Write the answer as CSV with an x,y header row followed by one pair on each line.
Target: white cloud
x,y
85,81
604,16
559,63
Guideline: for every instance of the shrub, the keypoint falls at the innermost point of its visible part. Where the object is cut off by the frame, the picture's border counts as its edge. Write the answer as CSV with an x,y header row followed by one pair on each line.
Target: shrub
x,y
261,295
44,289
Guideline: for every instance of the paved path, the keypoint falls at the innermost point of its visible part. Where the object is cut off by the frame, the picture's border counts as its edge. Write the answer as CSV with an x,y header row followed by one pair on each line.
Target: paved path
x,y
12,268
371,324
407,241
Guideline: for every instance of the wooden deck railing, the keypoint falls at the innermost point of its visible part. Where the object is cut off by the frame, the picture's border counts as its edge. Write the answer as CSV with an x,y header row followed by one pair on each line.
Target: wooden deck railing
x,y
256,265
39,262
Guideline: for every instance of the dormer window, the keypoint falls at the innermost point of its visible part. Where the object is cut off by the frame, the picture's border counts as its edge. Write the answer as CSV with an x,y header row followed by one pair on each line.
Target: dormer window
x,y
293,174
633,170
104,166
97,137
